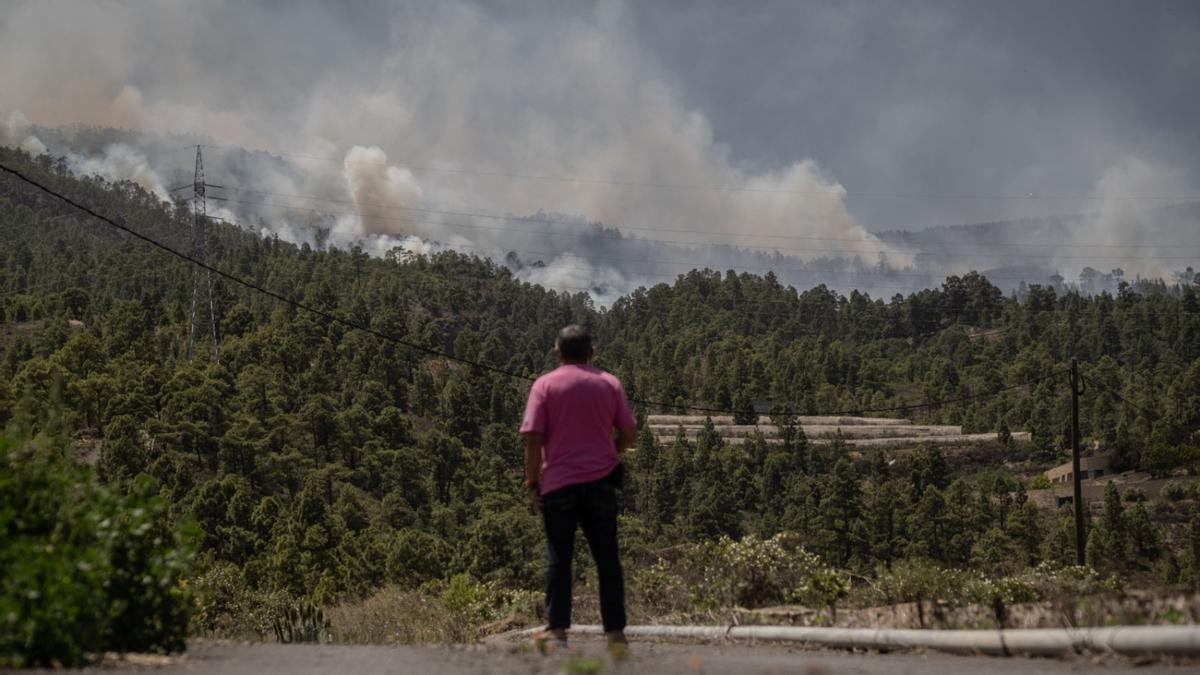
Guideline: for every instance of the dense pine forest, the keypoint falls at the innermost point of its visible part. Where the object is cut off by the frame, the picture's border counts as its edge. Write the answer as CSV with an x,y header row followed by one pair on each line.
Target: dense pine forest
x,y
316,464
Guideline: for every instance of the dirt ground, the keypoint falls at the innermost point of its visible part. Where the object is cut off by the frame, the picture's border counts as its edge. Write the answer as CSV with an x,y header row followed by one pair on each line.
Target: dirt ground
x,y
589,656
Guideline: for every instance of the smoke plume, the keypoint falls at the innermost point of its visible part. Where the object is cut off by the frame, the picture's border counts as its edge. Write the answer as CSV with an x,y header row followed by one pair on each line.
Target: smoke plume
x,y
15,132
1142,240
431,123
120,162
384,195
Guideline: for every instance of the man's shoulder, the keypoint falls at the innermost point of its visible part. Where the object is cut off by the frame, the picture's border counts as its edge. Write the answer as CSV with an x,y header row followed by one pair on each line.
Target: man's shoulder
x,y
609,378
548,376
549,379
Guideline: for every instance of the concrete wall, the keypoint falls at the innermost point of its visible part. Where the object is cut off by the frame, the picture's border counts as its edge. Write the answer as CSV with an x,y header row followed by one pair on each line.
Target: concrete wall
x,y
1091,467
1093,490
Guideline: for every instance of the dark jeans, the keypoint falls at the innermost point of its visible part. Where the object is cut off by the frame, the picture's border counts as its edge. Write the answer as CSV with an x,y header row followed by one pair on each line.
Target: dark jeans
x,y
593,507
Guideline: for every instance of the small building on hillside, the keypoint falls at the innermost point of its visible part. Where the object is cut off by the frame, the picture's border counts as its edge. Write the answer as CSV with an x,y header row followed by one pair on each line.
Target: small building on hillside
x,y
1092,467
1095,473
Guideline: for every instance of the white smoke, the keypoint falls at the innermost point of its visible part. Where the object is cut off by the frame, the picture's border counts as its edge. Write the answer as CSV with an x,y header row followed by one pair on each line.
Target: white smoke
x,y
580,100
800,200
116,162
571,273
384,195
1125,229
120,162
571,106
15,132
460,110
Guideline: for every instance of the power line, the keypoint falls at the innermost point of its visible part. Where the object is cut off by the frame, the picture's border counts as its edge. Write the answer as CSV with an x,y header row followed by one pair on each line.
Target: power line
x,y
790,302
637,276
255,287
739,311
434,352
541,220
746,268
1119,397
859,411
427,167
838,251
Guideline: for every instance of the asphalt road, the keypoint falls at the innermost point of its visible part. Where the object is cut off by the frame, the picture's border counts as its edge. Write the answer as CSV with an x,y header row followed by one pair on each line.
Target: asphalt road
x,y
589,657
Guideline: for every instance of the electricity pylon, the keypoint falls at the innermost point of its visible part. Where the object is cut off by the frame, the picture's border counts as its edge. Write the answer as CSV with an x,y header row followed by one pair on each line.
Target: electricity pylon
x,y
200,237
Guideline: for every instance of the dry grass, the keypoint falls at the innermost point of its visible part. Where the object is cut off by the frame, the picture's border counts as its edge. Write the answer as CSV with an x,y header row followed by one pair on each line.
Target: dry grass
x,y
395,616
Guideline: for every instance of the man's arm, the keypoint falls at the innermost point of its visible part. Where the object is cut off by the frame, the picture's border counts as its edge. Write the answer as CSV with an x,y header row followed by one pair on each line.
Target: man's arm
x,y
533,457
626,437
533,428
533,468
624,422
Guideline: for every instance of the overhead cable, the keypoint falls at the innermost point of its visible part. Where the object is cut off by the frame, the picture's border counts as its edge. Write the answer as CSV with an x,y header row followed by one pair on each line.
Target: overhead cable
x,y
838,191
328,316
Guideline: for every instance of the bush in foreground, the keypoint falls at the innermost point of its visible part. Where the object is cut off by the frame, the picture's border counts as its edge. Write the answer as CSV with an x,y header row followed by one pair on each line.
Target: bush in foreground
x,y
84,567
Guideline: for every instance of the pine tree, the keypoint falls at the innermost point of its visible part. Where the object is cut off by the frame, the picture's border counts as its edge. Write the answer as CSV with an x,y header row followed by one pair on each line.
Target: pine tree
x,y
927,526
1115,540
743,406
883,520
1026,528
1144,535
842,507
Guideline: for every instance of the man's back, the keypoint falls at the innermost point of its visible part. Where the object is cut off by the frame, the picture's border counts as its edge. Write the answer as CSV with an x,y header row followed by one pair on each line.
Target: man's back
x,y
570,456
576,407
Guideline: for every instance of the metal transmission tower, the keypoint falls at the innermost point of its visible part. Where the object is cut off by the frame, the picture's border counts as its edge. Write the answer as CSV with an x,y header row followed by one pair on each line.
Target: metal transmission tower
x,y
200,237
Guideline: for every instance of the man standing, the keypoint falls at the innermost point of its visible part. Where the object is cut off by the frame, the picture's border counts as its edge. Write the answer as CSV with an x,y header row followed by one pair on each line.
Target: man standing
x,y
572,467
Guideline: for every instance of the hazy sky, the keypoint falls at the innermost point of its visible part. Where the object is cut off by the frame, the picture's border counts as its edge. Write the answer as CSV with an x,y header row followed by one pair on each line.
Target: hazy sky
x,y
958,97
924,112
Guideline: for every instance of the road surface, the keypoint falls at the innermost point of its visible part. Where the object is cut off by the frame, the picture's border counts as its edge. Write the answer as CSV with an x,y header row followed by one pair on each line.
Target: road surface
x,y
589,657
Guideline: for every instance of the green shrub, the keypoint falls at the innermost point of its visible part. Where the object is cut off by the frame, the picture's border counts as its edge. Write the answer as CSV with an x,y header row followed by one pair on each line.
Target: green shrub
x,y
475,602
84,568
226,607
751,572
918,580
824,587
658,588
302,622
1175,491
921,581
1051,581
414,557
1134,495
1001,593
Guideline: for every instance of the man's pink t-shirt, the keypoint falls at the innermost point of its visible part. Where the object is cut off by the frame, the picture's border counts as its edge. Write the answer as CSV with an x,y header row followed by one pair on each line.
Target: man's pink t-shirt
x,y
576,407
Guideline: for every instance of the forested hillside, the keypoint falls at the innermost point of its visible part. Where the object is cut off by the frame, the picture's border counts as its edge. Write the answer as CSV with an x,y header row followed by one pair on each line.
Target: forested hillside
x,y
323,462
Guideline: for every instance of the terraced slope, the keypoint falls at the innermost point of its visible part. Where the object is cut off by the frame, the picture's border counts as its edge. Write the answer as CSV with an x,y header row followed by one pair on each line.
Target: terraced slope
x,y
856,431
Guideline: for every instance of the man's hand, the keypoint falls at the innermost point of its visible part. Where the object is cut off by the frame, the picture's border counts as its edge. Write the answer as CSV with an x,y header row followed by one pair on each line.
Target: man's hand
x,y
626,437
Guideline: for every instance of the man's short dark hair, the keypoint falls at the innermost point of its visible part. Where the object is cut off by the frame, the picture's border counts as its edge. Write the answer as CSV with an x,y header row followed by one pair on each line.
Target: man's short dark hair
x,y
574,343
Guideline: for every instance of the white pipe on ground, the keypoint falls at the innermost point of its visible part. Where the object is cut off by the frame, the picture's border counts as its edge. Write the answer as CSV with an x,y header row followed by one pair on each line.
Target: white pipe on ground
x,y
1128,640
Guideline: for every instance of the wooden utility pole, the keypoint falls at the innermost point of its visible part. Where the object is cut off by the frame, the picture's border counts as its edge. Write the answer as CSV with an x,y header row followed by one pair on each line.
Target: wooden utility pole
x,y
1080,543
